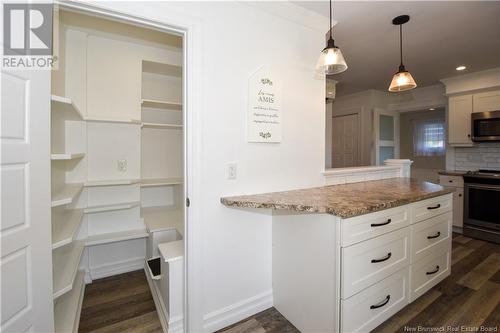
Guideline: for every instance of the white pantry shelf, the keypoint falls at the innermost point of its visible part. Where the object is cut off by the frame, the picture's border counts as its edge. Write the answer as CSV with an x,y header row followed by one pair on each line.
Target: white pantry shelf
x,y
61,103
152,182
116,237
65,261
110,182
68,307
111,120
111,207
158,104
160,125
161,218
66,195
154,67
66,156
65,225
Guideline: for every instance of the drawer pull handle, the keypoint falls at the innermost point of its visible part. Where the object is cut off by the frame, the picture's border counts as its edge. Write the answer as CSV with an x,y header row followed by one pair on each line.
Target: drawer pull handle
x,y
381,224
434,207
435,236
384,302
383,259
434,271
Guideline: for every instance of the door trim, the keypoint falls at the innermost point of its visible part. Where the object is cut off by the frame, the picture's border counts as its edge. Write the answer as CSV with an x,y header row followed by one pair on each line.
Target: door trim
x,y
190,28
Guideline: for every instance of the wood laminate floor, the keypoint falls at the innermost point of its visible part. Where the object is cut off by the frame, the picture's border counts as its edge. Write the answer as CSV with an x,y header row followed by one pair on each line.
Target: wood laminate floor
x,y
469,297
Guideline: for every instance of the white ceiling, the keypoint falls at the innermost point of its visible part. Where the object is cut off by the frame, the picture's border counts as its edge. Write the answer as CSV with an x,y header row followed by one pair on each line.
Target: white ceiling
x,y
440,36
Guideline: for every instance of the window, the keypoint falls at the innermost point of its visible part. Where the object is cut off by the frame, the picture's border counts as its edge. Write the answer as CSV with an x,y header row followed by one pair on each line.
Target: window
x,y
428,138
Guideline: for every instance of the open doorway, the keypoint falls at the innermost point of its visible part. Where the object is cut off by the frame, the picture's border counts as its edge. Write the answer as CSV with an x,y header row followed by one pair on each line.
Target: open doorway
x,y
118,141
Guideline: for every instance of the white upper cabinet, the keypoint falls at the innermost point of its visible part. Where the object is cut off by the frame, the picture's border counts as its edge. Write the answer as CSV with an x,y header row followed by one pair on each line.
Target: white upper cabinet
x,y
459,120
486,101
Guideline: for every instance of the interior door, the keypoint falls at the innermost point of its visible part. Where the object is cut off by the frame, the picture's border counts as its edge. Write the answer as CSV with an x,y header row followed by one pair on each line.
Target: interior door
x,y
345,136
26,257
386,132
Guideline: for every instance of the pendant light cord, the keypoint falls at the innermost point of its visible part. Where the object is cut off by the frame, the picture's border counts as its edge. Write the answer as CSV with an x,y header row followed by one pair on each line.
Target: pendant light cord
x,y
401,43
331,28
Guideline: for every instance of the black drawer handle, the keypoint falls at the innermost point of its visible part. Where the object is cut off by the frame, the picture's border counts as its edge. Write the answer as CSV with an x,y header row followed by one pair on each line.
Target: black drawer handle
x,y
383,259
434,207
381,224
384,302
435,236
434,271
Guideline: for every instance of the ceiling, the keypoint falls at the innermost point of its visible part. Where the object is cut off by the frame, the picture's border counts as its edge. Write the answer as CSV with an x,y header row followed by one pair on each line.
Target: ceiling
x,y
440,36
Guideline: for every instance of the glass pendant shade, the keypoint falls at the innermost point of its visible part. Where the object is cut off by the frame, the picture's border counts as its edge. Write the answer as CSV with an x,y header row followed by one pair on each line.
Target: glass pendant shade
x,y
402,81
331,61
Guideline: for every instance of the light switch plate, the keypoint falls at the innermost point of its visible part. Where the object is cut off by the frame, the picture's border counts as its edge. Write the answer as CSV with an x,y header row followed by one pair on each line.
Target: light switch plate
x,y
121,165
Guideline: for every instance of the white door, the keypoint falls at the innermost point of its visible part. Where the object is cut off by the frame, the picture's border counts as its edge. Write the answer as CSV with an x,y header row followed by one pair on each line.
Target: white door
x,y
345,136
26,254
386,132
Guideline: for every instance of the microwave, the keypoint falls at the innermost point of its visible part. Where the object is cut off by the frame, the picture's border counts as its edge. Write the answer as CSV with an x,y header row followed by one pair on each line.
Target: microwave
x,y
485,126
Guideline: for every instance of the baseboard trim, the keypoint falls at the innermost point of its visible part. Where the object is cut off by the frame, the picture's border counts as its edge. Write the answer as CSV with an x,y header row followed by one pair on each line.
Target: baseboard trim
x,y
176,324
233,313
115,268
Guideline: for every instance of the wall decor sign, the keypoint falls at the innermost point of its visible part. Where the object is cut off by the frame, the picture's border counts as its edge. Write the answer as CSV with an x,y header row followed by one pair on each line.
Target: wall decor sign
x,y
264,107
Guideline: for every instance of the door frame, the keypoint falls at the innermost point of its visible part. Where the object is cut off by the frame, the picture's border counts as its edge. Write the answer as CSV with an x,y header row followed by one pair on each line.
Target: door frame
x,y
190,28
376,132
358,113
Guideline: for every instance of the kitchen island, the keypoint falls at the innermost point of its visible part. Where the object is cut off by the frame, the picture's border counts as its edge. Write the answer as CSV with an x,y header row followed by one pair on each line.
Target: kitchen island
x,y
348,257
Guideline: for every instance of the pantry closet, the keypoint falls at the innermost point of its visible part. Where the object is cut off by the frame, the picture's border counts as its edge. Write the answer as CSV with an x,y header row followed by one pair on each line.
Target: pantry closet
x,y
117,162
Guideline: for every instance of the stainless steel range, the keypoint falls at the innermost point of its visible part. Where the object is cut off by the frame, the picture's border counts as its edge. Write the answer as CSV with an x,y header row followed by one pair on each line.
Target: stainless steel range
x,y
482,205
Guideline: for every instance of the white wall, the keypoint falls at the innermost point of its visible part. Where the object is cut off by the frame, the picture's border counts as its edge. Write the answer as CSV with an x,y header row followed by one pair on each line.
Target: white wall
x,y
238,38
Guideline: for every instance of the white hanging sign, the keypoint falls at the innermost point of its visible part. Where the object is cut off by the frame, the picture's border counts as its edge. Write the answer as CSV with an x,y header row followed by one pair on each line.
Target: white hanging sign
x,y
264,107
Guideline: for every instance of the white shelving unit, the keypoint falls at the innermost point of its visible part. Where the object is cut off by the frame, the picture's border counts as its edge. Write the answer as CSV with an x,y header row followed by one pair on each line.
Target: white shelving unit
x,y
60,103
111,120
159,125
157,104
68,307
160,182
66,194
116,237
65,261
65,224
111,207
66,156
161,218
113,182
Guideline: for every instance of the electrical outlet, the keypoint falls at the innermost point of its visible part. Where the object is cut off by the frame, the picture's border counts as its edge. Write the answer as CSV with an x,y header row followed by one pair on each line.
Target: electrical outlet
x,y
231,170
121,165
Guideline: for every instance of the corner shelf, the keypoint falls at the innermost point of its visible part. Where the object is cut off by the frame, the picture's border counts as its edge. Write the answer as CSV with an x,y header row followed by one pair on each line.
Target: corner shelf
x,y
115,237
160,125
65,261
158,104
110,120
65,226
113,182
111,207
64,104
68,307
66,195
66,156
160,218
152,182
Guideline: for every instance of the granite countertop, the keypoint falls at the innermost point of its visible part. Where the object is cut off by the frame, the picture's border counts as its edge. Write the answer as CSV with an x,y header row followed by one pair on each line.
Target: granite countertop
x,y
345,201
452,172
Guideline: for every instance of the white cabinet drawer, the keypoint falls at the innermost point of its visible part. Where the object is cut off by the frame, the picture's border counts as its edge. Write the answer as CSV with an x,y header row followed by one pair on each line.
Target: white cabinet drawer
x,y
431,236
368,226
371,307
453,181
426,209
428,272
368,262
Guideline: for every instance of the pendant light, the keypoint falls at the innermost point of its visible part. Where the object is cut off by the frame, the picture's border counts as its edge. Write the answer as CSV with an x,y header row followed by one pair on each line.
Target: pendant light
x,y
402,80
331,60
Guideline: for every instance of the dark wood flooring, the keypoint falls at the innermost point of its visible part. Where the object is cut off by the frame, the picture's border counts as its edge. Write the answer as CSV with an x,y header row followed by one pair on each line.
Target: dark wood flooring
x,y
121,303
470,296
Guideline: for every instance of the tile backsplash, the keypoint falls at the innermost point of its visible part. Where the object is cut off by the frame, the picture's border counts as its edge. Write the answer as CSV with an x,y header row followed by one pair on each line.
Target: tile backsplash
x,y
481,156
